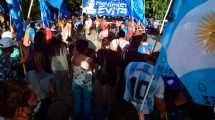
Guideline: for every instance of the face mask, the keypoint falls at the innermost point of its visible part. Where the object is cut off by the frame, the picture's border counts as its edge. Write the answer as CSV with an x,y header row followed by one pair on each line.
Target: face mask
x,y
14,54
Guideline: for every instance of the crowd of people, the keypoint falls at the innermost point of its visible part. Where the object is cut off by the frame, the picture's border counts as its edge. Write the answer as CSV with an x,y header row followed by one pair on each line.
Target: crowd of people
x,y
78,70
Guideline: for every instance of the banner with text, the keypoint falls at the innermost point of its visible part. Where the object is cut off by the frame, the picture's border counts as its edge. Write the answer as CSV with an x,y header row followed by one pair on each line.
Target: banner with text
x,y
106,7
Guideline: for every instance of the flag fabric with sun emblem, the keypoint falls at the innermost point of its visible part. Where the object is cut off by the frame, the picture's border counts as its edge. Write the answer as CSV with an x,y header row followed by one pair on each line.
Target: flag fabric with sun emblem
x,y
191,48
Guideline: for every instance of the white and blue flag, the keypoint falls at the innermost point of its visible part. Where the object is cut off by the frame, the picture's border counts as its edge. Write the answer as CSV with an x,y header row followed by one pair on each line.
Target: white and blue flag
x,y
190,47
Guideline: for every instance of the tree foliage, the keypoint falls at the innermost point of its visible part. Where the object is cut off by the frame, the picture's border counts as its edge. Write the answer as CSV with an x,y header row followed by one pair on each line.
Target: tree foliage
x,y
157,8
35,12
74,6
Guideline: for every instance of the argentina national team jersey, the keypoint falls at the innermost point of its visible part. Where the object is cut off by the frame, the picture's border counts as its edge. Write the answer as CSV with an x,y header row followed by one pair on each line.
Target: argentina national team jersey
x,y
138,76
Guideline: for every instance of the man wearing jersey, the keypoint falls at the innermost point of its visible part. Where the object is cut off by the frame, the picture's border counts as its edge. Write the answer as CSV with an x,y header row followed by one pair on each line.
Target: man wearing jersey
x,y
139,77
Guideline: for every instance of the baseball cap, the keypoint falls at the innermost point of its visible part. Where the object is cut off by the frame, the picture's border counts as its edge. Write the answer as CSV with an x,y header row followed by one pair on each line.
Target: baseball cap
x,y
7,40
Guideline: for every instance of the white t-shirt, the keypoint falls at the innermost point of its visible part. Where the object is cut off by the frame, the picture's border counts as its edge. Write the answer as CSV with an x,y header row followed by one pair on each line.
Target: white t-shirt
x,y
138,76
88,23
122,43
66,32
103,34
60,63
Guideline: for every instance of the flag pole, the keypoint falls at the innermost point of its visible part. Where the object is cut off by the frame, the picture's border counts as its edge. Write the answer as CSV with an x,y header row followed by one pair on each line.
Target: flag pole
x,y
153,77
20,7
22,55
144,8
10,23
132,17
29,11
163,22
161,30
82,7
20,46
147,91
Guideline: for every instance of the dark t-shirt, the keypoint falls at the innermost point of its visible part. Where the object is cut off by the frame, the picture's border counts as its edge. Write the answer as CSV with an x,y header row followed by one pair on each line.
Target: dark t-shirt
x,y
8,68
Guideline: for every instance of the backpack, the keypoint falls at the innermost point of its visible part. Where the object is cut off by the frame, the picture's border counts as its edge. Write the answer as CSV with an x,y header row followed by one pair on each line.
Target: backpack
x,y
118,49
105,71
101,73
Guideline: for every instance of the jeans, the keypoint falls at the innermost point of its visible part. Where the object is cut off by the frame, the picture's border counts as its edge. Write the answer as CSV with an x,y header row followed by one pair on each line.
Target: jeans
x,y
82,100
61,105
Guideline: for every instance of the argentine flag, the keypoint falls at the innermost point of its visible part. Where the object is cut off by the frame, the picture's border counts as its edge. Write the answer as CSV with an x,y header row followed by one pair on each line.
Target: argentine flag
x,y
190,47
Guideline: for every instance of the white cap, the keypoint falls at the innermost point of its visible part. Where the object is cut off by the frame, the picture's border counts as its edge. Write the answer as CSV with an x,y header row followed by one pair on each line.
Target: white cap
x,y
7,35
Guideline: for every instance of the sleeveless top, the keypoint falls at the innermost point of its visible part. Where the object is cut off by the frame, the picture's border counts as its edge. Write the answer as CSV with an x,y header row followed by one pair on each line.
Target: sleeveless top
x,y
81,76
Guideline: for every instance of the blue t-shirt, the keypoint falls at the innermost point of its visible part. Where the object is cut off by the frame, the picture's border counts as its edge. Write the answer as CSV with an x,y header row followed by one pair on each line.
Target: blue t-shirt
x,y
40,82
31,33
145,48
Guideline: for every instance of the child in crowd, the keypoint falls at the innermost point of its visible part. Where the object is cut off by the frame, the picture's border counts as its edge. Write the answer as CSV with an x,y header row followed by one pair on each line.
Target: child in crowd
x,y
82,89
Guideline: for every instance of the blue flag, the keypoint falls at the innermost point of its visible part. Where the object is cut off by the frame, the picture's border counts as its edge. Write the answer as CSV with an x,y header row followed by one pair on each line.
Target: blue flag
x,y
138,11
10,1
55,3
1,9
187,43
45,13
64,11
19,28
13,6
162,66
14,10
